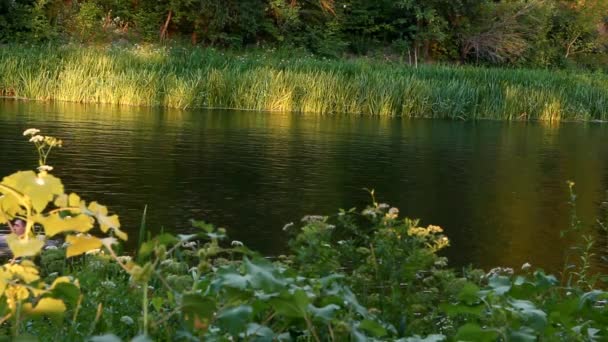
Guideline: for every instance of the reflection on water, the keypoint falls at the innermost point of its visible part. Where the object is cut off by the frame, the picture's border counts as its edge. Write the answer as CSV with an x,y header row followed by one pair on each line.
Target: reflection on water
x,y
497,188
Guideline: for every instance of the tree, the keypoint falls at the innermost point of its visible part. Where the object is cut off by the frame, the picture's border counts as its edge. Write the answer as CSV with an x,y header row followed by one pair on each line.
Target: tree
x,y
578,23
503,31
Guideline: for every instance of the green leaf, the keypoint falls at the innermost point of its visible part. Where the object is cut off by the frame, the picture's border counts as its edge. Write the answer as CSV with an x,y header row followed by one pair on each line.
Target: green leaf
x,y
325,313
235,280
197,306
291,305
262,275
543,280
500,284
157,303
535,318
372,327
469,294
591,297
66,291
454,310
235,319
105,338
473,332
523,334
429,338
141,338
258,333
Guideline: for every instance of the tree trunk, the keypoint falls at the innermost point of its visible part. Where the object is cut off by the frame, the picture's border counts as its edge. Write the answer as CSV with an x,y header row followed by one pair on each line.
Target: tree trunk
x,y
163,31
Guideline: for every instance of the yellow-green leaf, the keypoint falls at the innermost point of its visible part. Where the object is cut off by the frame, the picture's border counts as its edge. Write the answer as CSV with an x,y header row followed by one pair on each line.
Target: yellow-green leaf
x,y
54,224
24,246
46,306
107,222
61,280
39,188
61,201
5,276
98,209
121,235
81,244
25,271
73,200
10,206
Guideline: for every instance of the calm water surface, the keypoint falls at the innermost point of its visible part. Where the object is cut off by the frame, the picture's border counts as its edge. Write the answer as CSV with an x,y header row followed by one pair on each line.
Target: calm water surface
x,y
497,188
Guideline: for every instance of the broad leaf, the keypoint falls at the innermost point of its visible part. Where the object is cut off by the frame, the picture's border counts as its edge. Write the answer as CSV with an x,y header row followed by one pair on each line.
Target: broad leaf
x,y
40,189
24,246
293,305
197,306
55,224
325,313
47,307
235,319
81,244
372,327
473,332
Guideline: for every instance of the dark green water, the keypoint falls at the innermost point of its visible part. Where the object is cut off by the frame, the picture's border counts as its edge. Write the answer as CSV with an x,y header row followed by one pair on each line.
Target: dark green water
x,y
497,188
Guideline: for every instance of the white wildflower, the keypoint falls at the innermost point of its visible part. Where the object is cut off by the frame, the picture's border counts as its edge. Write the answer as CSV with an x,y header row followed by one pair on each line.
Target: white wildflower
x,y
237,243
31,131
108,284
166,262
124,259
191,244
37,138
127,320
526,266
287,226
45,168
313,218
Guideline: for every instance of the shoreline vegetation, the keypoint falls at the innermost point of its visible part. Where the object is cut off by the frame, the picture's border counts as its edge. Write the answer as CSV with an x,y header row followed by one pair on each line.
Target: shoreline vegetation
x,y
287,81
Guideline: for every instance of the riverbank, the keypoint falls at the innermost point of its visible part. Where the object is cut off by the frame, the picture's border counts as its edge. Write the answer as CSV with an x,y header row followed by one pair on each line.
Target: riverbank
x,y
206,78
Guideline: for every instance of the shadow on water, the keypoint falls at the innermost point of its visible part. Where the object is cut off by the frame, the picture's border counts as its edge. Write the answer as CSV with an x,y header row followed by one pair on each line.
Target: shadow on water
x,y
497,188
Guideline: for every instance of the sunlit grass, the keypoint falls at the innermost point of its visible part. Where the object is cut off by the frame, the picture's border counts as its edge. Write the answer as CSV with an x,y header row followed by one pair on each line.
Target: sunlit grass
x,y
194,78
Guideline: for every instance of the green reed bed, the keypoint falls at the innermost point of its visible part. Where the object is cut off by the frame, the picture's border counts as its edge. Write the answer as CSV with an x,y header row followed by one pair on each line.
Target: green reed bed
x,y
197,77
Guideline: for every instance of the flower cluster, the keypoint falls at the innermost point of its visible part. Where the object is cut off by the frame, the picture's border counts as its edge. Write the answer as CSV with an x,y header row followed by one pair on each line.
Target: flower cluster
x,y
43,144
432,234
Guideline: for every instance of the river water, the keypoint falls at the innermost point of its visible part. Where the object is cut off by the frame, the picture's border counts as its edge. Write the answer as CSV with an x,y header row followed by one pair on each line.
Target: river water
x,y
497,188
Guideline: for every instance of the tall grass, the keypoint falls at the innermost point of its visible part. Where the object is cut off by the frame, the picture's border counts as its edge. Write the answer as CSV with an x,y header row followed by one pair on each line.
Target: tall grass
x,y
191,78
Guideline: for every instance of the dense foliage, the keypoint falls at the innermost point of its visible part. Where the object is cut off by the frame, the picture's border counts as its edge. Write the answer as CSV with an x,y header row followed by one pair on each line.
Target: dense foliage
x,y
516,32
357,275
296,82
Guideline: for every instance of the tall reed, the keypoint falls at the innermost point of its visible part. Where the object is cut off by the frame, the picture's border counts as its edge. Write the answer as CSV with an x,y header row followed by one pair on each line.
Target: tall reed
x,y
197,77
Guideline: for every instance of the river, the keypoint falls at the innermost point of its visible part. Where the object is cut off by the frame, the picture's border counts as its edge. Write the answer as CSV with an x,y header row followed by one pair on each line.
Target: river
x,y
497,188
